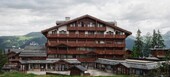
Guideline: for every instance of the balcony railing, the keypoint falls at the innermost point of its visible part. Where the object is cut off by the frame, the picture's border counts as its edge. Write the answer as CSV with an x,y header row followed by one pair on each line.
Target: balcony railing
x,y
86,44
85,36
87,28
98,52
86,59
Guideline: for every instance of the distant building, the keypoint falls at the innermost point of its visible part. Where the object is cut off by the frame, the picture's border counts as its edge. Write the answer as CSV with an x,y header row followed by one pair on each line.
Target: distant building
x,y
77,70
160,52
127,66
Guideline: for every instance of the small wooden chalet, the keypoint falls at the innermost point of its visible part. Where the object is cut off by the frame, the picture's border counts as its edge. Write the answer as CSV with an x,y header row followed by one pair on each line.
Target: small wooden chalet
x,y
127,66
77,70
13,59
48,65
160,52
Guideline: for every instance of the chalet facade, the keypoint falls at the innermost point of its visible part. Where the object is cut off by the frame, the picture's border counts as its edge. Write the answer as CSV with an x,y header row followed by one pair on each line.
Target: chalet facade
x,y
86,38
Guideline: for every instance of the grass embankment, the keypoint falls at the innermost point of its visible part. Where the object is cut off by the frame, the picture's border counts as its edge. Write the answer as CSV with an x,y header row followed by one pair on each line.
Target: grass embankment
x,y
18,74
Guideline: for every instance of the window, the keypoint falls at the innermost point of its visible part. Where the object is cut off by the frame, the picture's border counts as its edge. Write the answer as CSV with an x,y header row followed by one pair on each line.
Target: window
x,y
119,33
100,42
62,32
110,32
100,25
90,49
91,32
100,32
91,24
54,31
72,25
81,49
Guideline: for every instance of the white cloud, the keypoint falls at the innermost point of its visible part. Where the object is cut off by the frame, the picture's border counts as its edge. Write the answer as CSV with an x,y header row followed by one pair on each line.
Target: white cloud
x,y
20,17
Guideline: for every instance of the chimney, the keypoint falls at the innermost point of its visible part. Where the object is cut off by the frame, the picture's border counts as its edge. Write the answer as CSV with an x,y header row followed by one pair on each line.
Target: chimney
x,y
67,18
115,22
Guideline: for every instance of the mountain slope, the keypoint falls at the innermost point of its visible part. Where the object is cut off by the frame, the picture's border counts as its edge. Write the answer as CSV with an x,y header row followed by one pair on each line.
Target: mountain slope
x,y
166,37
21,41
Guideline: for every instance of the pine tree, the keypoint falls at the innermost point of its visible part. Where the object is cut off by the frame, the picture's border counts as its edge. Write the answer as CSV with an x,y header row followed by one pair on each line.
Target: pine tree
x,y
3,59
147,44
160,40
154,39
138,46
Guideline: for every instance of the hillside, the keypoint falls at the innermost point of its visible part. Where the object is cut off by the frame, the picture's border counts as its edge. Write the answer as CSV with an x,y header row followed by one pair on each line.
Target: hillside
x,y
166,37
21,41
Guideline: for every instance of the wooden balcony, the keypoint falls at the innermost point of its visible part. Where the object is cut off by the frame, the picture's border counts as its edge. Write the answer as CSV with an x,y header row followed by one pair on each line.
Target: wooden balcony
x,y
87,28
86,36
86,59
81,44
70,52
111,52
78,52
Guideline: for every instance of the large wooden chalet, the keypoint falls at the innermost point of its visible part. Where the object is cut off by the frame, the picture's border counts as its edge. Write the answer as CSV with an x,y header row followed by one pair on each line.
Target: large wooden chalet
x,y
86,38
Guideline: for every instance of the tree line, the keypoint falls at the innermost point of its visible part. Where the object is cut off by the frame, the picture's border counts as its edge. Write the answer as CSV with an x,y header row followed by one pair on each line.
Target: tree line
x,y
143,44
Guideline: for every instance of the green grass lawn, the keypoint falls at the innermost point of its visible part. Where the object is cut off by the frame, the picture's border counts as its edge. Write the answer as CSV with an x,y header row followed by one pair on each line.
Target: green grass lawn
x,y
18,74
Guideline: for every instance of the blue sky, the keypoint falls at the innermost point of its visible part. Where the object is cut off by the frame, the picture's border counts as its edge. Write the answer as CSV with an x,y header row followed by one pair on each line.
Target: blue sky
x,y
18,17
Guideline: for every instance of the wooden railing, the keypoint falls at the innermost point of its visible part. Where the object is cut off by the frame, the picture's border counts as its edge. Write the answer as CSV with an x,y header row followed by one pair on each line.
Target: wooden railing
x,y
86,59
87,28
86,44
85,36
98,52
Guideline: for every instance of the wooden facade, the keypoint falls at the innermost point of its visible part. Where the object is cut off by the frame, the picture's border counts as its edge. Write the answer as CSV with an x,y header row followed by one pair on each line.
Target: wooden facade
x,y
77,70
160,52
86,38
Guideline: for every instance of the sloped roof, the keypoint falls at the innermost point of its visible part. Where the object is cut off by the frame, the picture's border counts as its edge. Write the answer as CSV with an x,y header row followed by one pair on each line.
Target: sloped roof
x,y
37,61
130,63
13,50
71,61
34,47
164,49
31,53
84,16
81,68
108,61
147,66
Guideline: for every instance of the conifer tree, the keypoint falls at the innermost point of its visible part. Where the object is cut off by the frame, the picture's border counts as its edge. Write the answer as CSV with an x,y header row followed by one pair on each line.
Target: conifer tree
x,y
160,40
3,59
138,46
154,39
147,44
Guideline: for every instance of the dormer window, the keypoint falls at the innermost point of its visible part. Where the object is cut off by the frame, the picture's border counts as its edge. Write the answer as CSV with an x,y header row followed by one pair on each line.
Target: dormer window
x,y
62,32
54,31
